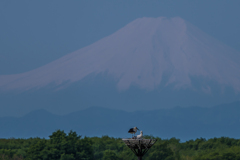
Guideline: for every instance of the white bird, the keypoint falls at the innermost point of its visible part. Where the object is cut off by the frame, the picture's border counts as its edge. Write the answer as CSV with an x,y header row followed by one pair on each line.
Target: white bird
x,y
140,135
133,130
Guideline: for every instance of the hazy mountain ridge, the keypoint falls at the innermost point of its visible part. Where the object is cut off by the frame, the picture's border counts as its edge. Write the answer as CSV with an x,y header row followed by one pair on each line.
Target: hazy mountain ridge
x,y
183,123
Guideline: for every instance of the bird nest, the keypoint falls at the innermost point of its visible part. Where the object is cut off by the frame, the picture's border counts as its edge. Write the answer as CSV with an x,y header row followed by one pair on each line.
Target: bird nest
x,y
139,143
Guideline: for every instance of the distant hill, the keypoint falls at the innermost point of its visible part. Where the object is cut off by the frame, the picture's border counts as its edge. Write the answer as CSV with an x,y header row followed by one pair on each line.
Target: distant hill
x,y
184,123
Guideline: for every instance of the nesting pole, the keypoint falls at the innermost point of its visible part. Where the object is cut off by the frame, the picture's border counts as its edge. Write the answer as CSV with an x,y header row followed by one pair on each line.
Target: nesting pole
x,y
139,146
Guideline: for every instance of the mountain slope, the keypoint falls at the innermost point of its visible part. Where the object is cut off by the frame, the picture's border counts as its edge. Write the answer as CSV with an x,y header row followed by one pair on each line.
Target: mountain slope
x,y
145,53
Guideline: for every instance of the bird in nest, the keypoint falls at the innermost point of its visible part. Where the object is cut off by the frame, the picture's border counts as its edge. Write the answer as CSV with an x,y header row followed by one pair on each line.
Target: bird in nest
x,y
133,130
140,135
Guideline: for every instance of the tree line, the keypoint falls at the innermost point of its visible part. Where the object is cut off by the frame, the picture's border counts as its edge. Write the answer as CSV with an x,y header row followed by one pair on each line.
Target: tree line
x,y
70,146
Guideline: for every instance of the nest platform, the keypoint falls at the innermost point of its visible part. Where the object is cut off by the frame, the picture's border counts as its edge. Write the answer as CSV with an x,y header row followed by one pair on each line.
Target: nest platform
x,y
139,146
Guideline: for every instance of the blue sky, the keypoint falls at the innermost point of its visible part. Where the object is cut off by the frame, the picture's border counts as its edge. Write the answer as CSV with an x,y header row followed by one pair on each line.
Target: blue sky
x,y
33,33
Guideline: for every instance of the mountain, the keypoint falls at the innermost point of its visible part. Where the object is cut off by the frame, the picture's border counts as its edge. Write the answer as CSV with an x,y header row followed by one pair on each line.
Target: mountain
x,y
184,123
141,53
148,64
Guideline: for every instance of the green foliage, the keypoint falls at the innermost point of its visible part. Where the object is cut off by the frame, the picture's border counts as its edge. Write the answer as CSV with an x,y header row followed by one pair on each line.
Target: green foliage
x,y
161,151
62,146
67,157
109,155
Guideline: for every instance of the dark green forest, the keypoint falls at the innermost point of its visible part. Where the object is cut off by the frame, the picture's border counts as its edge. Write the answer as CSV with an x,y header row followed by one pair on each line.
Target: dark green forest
x,y
70,146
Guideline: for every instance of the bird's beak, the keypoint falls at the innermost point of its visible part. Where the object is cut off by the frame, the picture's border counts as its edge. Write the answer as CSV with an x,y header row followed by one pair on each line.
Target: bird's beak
x,y
137,129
